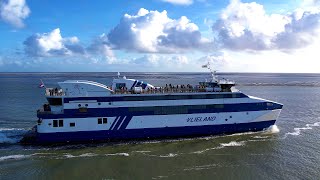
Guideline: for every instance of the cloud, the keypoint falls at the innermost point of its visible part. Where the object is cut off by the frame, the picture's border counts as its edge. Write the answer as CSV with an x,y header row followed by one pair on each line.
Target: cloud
x,y
155,32
179,2
52,44
218,61
161,61
99,46
14,12
246,26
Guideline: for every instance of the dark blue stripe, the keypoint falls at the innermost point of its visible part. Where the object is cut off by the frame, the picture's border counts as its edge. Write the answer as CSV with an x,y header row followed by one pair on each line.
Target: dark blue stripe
x,y
126,122
141,111
155,97
118,123
133,84
126,134
114,122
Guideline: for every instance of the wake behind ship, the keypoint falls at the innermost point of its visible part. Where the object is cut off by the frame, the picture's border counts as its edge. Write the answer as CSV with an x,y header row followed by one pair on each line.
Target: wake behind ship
x,y
87,111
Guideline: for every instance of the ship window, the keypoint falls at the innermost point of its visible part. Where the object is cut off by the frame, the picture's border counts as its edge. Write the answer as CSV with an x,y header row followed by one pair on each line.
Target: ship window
x,y
99,120
72,124
120,85
55,123
55,101
105,120
60,123
219,105
269,104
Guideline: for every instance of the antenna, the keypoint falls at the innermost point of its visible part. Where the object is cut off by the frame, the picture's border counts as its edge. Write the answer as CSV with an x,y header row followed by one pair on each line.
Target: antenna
x,y
212,72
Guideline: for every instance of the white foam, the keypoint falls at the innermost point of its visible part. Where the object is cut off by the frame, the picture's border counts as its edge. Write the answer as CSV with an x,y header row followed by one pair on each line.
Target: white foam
x,y
11,135
201,167
261,137
141,151
272,130
118,154
297,131
169,155
233,143
14,157
222,145
208,149
81,155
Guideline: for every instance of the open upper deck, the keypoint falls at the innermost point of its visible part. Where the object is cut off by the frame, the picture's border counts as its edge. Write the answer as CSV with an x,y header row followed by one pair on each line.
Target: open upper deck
x,y
84,88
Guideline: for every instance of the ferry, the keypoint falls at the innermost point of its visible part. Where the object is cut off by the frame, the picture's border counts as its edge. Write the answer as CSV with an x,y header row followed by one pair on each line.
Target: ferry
x,y
86,111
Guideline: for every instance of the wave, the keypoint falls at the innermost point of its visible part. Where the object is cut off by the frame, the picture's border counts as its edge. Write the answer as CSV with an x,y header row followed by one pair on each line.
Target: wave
x,y
14,157
118,154
222,145
201,167
11,135
293,83
272,130
297,131
169,155
233,143
81,155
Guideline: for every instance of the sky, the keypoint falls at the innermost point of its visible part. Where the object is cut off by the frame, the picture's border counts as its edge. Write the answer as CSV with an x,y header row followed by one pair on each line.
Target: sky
x,y
280,36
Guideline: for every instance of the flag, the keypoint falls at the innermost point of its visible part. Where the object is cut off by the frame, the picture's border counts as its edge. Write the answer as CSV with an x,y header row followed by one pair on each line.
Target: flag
x,y
41,85
205,66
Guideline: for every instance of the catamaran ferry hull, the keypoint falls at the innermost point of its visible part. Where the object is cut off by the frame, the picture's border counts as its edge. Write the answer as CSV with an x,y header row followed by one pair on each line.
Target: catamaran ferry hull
x,y
156,127
150,133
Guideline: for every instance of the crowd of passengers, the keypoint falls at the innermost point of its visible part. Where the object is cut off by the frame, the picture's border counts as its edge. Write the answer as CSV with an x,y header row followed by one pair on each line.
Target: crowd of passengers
x,y
55,92
165,89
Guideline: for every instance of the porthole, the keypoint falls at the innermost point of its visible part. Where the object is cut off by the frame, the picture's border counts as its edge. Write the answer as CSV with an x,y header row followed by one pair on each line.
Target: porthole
x,y
99,104
86,105
79,105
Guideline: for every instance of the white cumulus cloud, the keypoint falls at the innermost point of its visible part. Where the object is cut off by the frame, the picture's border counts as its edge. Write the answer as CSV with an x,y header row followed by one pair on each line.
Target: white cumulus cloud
x,y
99,46
161,61
155,32
246,26
14,12
52,44
179,2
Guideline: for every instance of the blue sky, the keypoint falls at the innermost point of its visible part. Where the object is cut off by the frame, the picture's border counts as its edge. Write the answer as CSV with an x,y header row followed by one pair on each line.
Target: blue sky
x,y
159,35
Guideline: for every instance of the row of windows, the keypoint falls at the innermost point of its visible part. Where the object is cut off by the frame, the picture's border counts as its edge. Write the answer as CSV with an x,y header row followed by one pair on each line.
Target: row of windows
x,y
102,120
165,110
159,97
59,123
175,109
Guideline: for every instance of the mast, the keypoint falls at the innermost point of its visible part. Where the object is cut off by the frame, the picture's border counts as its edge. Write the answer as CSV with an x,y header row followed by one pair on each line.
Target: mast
x,y
212,72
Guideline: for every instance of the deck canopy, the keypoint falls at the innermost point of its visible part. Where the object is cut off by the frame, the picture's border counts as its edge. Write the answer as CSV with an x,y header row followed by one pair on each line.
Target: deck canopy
x,y
83,88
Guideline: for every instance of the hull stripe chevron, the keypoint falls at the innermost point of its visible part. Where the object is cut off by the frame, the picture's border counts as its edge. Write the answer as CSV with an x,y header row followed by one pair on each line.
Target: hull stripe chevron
x,y
114,122
126,122
118,123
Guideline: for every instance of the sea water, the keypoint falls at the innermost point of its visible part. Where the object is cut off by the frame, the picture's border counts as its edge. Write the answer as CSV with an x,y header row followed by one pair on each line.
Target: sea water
x,y
288,150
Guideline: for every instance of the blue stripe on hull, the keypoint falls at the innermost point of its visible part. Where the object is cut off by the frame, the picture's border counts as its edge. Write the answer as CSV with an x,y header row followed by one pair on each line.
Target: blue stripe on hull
x,y
126,134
